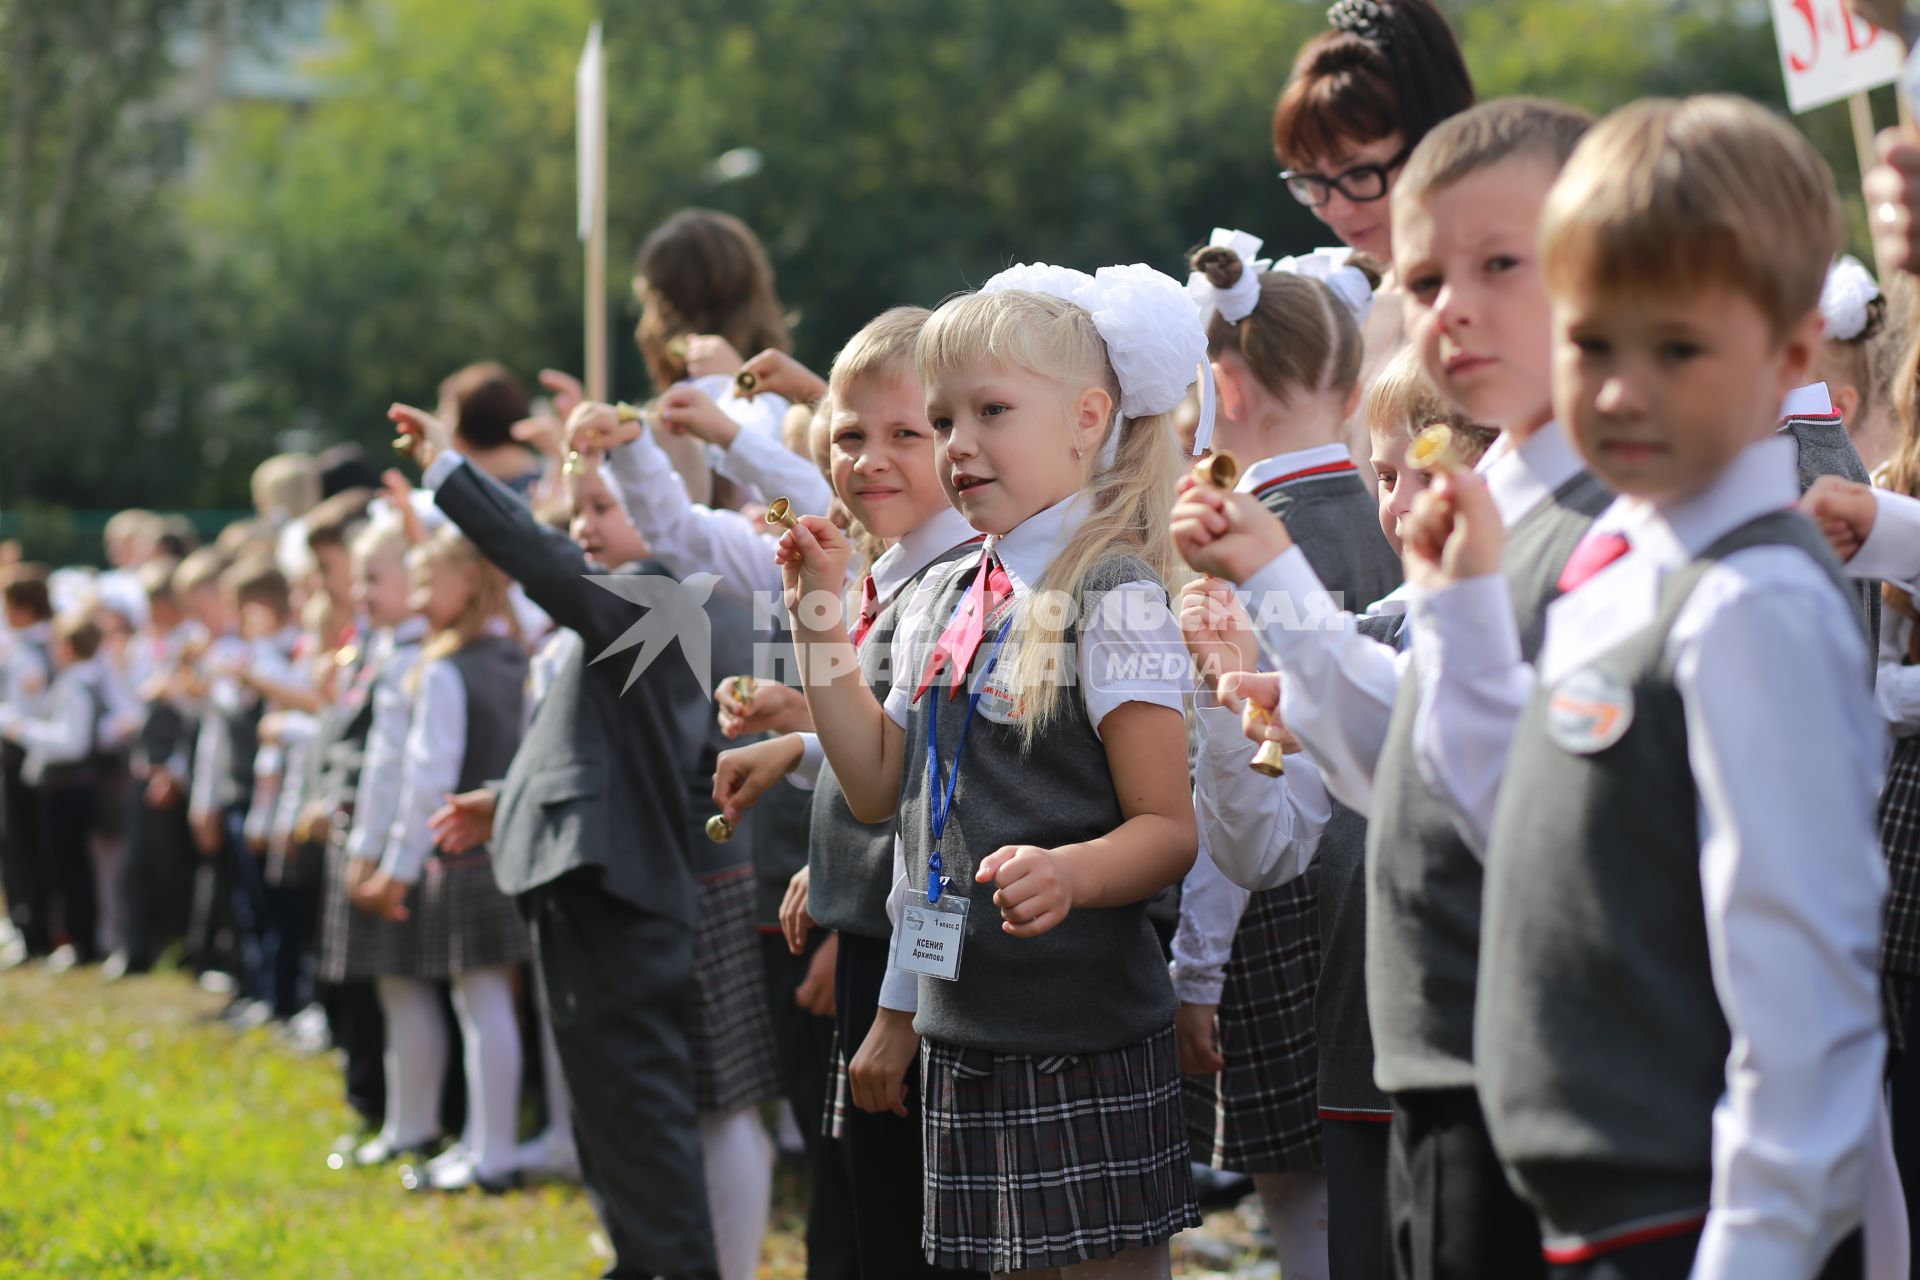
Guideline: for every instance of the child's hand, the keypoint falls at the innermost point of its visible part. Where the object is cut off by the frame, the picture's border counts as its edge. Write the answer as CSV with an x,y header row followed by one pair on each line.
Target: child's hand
x,y
813,568
431,436
780,374
1256,694
399,495
359,870
1034,893
795,922
381,895
593,427
567,391
163,789
741,775
205,824
1844,510
1196,1032
1453,533
878,1072
465,821
689,411
708,354
546,434
1218,632
1228,535
815,992
771,707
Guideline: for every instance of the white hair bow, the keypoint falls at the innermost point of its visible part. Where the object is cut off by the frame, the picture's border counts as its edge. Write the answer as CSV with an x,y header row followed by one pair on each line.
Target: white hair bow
x,y
1154,338
1236,302
1849,290
1334,269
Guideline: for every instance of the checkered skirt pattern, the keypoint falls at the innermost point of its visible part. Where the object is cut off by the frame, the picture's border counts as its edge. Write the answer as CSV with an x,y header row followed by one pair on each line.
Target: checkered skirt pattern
x,y
461,922
833,1119
1047,1161
1261,1114
733,1062
1900,841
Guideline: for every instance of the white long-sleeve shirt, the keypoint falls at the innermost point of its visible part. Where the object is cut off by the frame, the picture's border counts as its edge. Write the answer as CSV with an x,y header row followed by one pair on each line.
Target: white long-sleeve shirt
x,y
1786,757
376,797
436,747
68,730
1256,833
1896,685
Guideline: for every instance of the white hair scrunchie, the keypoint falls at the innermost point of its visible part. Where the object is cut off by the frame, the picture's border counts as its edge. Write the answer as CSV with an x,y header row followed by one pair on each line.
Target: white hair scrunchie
x,y
1154,337
1235,303
1333,268
1849,290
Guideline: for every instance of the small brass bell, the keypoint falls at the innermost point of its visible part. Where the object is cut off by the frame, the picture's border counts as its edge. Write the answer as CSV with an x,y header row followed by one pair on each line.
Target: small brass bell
x,y
1436,450
780,512
1269,759
746,382
1217,470
719,830
744,688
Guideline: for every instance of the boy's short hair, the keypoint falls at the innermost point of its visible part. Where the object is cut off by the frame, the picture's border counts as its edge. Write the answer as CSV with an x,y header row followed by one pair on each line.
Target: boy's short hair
x,y
487,400
131,523
286,486
178,537
1402,401
1483,136
259,581
25,589
882,348
156,578
81,633
332,523
199,570
1678,194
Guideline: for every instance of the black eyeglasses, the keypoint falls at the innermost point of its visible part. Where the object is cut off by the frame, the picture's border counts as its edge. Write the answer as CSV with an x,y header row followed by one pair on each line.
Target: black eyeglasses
x,y
1362,184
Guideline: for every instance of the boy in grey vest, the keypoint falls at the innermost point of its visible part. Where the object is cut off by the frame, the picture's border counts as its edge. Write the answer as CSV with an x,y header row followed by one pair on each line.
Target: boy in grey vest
x,y
1678,1034
1465,209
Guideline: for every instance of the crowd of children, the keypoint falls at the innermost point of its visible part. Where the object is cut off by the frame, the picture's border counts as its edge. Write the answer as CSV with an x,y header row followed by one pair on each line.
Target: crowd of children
x,y
1457,804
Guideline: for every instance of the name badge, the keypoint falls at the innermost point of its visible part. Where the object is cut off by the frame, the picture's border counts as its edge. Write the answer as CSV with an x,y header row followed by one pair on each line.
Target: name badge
x,y
1589,710
931,935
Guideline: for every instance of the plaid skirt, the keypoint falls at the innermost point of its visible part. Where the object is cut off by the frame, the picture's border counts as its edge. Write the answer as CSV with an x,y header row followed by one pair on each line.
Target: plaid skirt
x,y
1048,1161
833,1117
1900,842
1262,1113
346,934
461,922
732,1034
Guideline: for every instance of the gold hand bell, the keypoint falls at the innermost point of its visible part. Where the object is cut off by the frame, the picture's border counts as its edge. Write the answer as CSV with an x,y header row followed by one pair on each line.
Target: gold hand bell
x,y
1270,759
780,512
1217,470
719,830
1436,449
746,382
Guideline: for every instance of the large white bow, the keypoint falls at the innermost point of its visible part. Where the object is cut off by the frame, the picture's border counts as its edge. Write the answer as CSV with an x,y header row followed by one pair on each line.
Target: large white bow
x,y
1850,288
1237,302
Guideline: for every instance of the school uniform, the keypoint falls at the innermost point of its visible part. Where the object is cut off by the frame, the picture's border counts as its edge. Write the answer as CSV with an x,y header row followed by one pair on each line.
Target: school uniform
x,y
1049,1080
591,837
1822,447
60,765
158,880
1678,1022
28,676
465,725
1261,1114
1353,702
850,872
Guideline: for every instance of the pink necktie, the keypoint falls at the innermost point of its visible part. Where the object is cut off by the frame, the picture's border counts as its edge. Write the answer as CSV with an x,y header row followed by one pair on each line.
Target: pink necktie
x,y
1595,552
961,640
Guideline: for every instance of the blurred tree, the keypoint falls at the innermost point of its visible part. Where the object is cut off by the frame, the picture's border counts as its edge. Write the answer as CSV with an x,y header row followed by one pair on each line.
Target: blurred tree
x,y
329,257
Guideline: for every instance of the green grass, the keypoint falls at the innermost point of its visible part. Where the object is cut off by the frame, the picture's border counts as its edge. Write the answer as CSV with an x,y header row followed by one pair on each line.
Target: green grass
x,y
138,1141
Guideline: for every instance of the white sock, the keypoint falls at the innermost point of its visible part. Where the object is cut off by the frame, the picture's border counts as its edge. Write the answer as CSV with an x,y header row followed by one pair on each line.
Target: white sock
x,y
739,1160
1296,1208
558,1139
415,1060
483,1002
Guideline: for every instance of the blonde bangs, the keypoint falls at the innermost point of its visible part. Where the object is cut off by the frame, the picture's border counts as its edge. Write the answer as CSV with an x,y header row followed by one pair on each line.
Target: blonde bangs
x,y
1014,329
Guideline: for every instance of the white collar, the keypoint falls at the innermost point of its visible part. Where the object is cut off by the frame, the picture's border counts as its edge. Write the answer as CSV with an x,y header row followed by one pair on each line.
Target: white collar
x,y
38,633
1521,476
1763,477
1810,401
918,548
1028,548
1396,601
1281,464
410,630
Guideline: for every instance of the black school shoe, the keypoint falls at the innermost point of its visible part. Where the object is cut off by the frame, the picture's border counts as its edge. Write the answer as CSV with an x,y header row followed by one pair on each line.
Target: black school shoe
x,y
458,1179
377,1151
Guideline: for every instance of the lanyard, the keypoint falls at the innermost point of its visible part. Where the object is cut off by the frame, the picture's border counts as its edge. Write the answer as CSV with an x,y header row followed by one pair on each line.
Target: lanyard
x,y
940,807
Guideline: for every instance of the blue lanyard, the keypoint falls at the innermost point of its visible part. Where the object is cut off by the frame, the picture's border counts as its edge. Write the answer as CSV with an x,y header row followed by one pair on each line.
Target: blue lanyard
x,y
939,806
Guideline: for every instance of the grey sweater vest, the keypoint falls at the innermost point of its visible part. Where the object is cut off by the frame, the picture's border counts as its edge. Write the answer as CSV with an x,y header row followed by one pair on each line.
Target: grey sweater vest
x,y
1423,883
1825,449
1603,1045
851,862
1099,980
1336,524
494,671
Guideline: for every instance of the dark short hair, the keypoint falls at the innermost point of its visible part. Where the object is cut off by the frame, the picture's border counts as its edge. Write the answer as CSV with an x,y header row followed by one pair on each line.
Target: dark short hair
x,y
487,400
26,590
1388,66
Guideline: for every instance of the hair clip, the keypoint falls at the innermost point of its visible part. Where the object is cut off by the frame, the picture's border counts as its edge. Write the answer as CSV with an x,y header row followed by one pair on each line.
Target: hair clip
x,y
1363,18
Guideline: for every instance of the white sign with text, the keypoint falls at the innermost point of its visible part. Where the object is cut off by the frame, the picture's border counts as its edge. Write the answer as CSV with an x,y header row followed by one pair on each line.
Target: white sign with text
x,y
1827,54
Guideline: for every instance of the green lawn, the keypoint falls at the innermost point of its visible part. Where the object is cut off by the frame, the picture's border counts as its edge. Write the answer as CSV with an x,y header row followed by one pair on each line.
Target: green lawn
x,y
137,1140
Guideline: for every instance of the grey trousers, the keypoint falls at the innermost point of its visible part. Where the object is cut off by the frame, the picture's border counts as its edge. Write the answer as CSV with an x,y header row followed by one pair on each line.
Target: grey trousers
x,y
619,982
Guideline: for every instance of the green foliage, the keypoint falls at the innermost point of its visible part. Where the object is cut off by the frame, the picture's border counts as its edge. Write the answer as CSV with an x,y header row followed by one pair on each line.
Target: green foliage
x,y
326,259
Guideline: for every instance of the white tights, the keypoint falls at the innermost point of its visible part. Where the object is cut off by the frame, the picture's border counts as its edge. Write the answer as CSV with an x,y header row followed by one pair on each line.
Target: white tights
x,y
738,1155
1296,1209
416,1063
